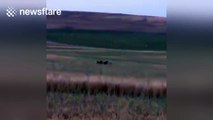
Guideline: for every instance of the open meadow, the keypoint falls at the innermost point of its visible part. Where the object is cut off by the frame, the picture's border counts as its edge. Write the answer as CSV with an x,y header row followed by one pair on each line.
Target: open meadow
x,y
106,66
80,89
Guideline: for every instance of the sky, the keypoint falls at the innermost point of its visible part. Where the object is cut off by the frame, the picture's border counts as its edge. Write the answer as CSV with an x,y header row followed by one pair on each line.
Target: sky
x,y
137,7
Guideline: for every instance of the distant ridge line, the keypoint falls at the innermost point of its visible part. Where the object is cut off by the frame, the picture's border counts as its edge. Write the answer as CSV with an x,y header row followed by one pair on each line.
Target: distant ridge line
x,y
77,20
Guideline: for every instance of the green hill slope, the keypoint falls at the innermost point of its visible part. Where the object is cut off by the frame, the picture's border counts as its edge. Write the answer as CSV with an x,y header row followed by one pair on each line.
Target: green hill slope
x,y
109,39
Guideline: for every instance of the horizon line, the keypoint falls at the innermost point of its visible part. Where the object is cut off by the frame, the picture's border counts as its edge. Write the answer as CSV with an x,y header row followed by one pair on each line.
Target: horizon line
x,y
113,13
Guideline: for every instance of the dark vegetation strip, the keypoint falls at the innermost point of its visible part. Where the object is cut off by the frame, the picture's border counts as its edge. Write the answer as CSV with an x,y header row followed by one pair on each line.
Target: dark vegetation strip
x,y
93,88
109,39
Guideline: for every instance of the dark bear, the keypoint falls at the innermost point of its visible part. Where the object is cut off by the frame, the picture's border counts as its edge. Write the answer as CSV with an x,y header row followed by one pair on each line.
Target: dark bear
x,y
99,62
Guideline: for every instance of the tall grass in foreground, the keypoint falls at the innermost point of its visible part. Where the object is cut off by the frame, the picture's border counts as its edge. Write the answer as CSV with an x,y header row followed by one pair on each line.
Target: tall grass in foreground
x,y
83,101
68,106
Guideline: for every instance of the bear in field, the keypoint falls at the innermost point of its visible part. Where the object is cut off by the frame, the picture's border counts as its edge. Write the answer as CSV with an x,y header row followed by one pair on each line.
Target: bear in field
x,y
104,62
99,62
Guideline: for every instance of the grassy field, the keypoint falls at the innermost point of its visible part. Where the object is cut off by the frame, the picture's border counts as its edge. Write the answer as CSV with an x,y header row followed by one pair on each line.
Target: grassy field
x,y
110,39
138,61
68,63
103,107
125,63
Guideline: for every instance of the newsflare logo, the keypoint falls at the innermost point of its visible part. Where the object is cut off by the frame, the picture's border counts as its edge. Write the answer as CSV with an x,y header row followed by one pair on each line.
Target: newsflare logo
x,y
12,12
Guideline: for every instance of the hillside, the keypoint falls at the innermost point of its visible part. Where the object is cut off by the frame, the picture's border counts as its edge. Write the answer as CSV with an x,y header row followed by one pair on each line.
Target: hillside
x,y
107,22
106,30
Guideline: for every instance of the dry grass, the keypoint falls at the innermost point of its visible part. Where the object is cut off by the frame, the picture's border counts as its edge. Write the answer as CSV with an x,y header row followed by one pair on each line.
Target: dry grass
x,y
65,104
65,82
104,107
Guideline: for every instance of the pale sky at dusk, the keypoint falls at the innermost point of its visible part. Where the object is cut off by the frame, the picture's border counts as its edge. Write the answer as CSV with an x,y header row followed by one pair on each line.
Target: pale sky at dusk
x,y
138,7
